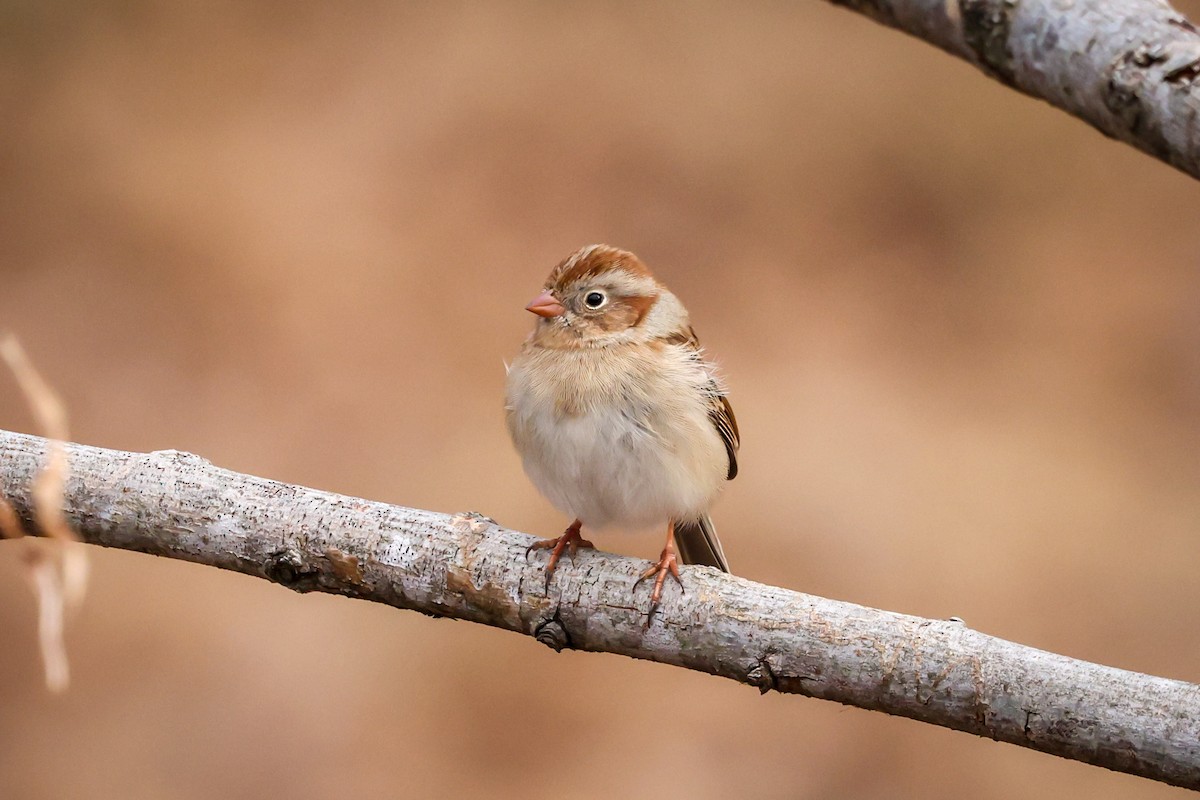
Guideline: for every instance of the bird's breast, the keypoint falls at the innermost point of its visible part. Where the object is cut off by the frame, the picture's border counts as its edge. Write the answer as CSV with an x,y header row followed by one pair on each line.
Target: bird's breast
x,y
614,440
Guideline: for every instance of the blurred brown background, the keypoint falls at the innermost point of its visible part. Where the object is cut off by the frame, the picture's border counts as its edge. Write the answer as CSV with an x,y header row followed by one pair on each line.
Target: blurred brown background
x,y
960,327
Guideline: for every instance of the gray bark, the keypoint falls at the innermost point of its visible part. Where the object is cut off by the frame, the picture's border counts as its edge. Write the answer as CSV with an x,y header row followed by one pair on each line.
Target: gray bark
x,y
1131,68
467,567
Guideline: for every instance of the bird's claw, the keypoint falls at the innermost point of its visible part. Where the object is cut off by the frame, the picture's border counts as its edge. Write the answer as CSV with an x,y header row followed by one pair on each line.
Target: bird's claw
x,y
668,564
570,541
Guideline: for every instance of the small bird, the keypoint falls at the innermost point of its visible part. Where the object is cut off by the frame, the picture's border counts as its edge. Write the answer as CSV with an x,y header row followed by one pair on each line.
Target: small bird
x,y
617,415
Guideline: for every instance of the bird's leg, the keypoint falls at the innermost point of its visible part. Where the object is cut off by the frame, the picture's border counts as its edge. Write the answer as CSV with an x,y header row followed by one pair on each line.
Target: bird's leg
x,y
668,564
570,541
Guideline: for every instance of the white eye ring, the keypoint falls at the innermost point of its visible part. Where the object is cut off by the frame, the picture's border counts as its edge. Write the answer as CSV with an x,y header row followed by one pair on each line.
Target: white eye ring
x,y
594,300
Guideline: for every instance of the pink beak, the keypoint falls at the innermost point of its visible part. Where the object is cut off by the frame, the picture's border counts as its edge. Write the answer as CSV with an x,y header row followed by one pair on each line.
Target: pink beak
x,y
544,305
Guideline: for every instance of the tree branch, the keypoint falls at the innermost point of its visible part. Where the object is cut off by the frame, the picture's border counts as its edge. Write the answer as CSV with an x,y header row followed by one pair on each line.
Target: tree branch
x,y
466,566
1130,68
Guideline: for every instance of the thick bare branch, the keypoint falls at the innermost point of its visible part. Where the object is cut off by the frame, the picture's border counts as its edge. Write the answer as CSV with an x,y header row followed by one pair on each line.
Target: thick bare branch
x,y
468,567
1131,68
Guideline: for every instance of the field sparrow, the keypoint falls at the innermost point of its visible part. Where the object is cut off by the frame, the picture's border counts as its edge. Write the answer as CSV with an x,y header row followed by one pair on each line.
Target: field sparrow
x,y
617,416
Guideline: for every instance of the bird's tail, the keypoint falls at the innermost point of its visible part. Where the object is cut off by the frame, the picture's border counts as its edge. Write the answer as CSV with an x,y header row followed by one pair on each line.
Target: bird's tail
x,y
698,543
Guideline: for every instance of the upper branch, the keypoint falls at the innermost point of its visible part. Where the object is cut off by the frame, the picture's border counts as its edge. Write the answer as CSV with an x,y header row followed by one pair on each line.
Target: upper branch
x,y
1128,67
467,567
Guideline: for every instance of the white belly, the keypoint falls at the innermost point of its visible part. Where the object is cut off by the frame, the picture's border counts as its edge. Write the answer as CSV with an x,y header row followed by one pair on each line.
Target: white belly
x,y
624,459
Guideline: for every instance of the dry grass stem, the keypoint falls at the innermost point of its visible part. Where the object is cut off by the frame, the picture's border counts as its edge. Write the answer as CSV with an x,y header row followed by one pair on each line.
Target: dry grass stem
x,y
10,523
59,577
47,576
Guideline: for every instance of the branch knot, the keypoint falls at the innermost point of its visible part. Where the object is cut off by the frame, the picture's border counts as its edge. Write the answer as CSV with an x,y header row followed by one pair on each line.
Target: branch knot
x,y
553,634
287,567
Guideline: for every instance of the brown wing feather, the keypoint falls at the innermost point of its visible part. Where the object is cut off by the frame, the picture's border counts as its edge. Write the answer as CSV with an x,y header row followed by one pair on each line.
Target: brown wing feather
x,y
721,414
719,410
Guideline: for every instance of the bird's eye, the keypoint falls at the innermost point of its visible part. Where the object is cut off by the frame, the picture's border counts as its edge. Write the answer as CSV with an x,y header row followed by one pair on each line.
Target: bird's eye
x,y
594,299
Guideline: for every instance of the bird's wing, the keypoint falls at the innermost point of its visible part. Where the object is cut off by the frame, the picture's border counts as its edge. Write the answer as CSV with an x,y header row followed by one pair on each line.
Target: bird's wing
x,y
720,412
